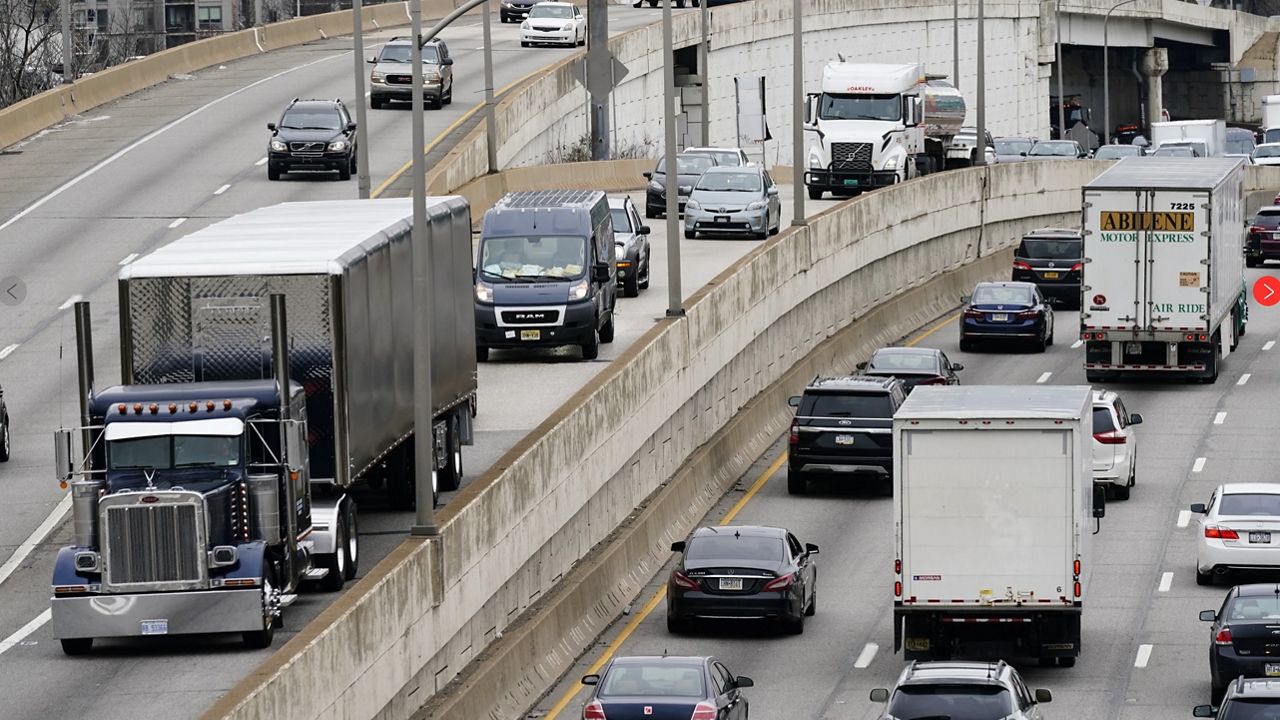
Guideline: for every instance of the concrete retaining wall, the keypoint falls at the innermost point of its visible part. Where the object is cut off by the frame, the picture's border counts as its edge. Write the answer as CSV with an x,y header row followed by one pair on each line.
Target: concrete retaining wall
x,y
511,536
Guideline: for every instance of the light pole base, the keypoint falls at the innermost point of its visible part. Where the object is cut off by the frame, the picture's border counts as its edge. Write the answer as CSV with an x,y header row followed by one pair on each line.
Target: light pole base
x,y
679,312
799,222
425,530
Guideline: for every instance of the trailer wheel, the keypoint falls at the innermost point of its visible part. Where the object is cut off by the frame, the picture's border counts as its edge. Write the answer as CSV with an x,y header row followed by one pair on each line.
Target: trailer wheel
x,y
450,476
352,548
76,646
1066,662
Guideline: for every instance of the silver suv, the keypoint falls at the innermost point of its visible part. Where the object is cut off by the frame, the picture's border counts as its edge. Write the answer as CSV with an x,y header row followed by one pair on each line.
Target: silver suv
x,y
392,75
961,690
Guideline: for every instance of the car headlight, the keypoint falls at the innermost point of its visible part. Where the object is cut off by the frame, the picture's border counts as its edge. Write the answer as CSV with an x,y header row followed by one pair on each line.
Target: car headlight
x,y
279,146
338,145
567,26
578,290
656,186
377,76
891,163
431,74
815,160
693,205
484,293
524,25
757,205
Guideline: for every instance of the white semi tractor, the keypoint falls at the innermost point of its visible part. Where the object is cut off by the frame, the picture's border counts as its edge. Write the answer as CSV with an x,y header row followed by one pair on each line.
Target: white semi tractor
x,y
1163,288
874,125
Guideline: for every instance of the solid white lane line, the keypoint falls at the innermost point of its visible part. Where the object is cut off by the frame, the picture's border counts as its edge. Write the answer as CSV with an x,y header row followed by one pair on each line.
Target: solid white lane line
x,y
70,301
1198,466
260,163
25,630
8,350
130,257
1076,344
1166,582
1270,344
176,223
35,538
222,189
1220,418
1144,655
151,136
866,656
1184,518
1243,379
1044,378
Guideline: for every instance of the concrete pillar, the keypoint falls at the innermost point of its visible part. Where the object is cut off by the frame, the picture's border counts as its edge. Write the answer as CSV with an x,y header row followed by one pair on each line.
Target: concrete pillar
x,y
1155,63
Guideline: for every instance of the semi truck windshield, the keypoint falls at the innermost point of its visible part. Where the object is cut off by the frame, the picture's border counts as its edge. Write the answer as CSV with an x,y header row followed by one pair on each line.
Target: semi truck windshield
x,y
174,451
860,107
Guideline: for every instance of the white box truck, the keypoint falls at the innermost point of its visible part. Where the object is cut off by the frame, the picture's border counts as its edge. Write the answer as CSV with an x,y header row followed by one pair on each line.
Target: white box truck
x,y
993,501
1206,138
1163,288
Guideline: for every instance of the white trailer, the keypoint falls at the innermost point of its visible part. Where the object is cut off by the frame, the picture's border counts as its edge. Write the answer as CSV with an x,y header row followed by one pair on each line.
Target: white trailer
x,y
1163,287
1207,138
993,496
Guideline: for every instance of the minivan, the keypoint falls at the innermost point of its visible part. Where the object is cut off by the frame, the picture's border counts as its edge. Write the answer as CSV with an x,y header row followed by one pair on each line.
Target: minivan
x,y
545,272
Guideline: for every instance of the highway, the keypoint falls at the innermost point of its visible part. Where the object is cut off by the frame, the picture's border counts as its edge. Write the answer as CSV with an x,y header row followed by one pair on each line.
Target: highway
x,y
80,200
1145,652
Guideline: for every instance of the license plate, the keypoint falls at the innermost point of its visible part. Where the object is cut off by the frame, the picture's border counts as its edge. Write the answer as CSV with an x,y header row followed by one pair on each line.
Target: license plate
x,y
844,439
1260,537
851,183
1051,276
1000,317
722,218
1133,348
155,627
1272,669
730,583
530,334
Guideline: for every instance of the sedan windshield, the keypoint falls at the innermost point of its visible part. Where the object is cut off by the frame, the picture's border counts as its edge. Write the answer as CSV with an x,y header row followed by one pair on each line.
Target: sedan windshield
x,y
1174,151
729,182
1054,149
1266,151
688,164
558,12
174,451
1013,147
404,54
734,547
913,362
1002,295
859,107
1241,146
1255,504
657,680
311,120
954,702
533,257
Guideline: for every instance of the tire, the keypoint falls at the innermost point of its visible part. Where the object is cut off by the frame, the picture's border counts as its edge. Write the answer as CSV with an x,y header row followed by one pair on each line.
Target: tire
x,y
631,286
1121,492
273,173
450,478
524,44
797,483
352,548
482,353
355,163
1204,578
1042,343
1216,692
375,103
966,345
1047,661
260,639
649,214
644,284
676,627
1251,262
448,99
1066,662
795,625
5,446
815,193
591,348
344,172
606,332
1049,337
813,598
76,646
776,228
1094,378
1212,376
690,235
653,3
335,563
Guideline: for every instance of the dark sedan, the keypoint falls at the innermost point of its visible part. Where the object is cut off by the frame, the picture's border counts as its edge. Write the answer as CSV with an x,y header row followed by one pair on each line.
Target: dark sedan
x,y
1006,311
1243,639
742,571
1053,259
4,429
666,687
689,167
913,366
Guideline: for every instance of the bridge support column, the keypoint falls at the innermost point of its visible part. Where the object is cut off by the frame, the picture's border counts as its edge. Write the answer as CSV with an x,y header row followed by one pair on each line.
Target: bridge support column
x,y
1155,63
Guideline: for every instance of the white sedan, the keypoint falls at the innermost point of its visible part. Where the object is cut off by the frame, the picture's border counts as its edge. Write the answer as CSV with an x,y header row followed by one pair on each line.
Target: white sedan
x,y
1239,530
554,23
1267,154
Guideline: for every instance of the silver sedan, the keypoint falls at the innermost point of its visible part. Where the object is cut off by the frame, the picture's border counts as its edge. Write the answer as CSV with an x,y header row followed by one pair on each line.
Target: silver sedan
x,y
733,201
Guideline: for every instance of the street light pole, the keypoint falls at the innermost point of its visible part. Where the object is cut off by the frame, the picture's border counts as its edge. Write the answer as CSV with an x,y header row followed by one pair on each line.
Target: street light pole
x,y
490,128
68,75
955,43
798,162
675,299
703,55
1106,74
362,115
981,135
1062,112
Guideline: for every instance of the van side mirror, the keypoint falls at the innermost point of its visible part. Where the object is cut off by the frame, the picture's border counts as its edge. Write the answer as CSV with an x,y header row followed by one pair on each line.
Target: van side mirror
x,y
1135,419
794,401
880,695
447,61
1198,508
63,465
1099,501
1202,711
862,365
643,230
956,367
677,546
271,127
1043,696
590,679
600,272
1208,615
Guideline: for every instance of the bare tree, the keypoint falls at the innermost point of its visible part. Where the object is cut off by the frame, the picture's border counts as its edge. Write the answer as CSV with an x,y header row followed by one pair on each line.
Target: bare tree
x,y
30,48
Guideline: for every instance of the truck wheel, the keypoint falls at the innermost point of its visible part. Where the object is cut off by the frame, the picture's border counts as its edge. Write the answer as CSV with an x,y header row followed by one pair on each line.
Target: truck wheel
x,y
352,548
4,441
1094,378
797,483
1251,262
631,286
606,332
815,193
1211,373
376,103
482,353
259,639
336,563
451,476
1066,662
76,646
591,348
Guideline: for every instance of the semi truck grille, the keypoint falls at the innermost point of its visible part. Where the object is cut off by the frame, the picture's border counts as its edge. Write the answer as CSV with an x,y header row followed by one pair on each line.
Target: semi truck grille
x,y
152,544
851,156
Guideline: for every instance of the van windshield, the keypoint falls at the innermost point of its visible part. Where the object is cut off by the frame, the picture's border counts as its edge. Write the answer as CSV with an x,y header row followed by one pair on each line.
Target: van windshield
x,y
533,257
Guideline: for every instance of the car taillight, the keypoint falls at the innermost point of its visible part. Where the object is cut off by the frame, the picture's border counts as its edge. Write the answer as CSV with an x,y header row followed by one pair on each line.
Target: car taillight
x,y
1077,267
1019,265
1028,314
794,437
1258,228
1220,533
1223,637
684,581
1111,437
704,711
593,711
781,582
971,313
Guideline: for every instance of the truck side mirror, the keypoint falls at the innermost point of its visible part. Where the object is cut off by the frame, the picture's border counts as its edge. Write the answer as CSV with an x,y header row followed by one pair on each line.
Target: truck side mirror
x,y
1043,696
810,109
295,444
372,60
63,465
1099,501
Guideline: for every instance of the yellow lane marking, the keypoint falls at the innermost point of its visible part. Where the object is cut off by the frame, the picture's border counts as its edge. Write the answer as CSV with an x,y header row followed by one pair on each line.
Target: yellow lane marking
x,y
938,326
661,593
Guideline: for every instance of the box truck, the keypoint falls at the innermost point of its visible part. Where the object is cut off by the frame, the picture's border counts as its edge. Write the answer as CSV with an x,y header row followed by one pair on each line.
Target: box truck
x,y
1163,289
267,366
993,508
1206,138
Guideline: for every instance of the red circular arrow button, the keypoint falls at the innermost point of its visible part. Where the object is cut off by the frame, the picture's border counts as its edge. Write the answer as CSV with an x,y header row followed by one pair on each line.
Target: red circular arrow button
x,y
1266,290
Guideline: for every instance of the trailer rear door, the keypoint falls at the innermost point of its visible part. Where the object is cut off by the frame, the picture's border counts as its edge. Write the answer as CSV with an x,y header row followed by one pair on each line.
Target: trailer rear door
x,y
1176,244
1112,278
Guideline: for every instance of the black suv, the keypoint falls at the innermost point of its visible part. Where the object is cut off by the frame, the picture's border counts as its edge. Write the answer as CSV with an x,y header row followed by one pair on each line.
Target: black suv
x,y
843,425
1052,258
312,135
1246,699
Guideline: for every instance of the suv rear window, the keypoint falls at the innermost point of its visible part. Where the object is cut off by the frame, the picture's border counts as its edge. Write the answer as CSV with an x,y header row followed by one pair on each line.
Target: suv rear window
x,y
1051,249
1102,420
1252,709
1270,221
958,702
853,405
